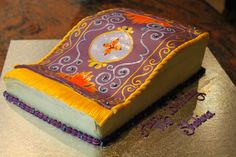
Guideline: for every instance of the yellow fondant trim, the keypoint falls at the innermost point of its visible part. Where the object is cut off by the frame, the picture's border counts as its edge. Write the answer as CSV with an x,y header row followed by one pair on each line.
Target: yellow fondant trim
x,y
118,107
61,92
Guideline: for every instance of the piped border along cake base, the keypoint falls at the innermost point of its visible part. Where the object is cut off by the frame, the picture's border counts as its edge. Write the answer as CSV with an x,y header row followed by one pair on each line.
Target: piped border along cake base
x,y
111,138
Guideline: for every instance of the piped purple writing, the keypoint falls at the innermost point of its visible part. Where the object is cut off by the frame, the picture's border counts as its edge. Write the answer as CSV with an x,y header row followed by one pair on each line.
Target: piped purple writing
x,y
158,121
163,122
189,128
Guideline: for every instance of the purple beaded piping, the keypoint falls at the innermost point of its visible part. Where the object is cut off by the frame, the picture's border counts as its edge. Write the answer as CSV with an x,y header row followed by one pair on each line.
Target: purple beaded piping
x,y
74,132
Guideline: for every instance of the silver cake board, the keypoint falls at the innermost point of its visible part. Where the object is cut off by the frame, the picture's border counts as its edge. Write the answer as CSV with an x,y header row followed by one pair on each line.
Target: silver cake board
x,y
22,134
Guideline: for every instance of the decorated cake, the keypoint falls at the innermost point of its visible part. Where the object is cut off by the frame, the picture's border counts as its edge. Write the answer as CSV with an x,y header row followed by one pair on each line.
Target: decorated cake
x,y
107,69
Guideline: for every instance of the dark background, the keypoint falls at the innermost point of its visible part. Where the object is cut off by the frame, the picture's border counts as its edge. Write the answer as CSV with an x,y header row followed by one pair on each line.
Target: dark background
x,y
51,19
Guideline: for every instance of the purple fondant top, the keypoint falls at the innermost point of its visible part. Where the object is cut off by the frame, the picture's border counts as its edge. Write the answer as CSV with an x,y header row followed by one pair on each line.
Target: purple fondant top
x,y
106,57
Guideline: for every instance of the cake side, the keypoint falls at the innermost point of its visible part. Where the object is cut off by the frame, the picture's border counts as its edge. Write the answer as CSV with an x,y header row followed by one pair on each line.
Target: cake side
x,y
51,106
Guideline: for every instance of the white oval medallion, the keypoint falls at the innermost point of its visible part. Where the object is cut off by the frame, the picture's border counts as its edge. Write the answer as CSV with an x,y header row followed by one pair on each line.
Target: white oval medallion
x,y
111,46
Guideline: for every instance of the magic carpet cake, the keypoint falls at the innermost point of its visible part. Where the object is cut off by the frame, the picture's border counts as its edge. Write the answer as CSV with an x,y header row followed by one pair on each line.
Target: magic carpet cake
x,y
107,69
